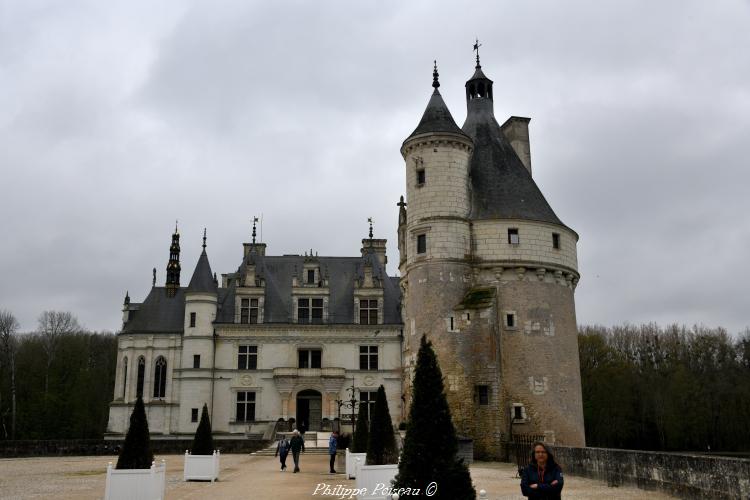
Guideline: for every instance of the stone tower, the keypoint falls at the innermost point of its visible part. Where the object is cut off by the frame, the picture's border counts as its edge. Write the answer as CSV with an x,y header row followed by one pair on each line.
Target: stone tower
x,y
488,274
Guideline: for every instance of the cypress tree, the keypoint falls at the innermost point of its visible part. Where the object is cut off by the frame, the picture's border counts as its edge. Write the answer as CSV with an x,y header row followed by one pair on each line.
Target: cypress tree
x,y
431,444
136,452
361,434
203,442
381,445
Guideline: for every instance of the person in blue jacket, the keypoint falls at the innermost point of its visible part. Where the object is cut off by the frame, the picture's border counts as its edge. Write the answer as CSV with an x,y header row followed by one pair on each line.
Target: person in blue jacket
x,y
542,479
333,442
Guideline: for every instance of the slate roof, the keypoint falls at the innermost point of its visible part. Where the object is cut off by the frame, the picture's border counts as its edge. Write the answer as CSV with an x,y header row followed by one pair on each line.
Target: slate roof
x,y
277,271
436,118
161,314
203,279
158,313
501,185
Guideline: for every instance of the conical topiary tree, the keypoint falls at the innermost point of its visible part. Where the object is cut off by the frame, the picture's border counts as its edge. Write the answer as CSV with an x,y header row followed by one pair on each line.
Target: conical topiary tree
x,y
136,452
361,434
431,445
203,442
381,445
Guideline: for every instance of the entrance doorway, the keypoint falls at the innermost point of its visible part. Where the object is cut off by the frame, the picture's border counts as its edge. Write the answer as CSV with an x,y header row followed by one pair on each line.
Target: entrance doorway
x,y
309,410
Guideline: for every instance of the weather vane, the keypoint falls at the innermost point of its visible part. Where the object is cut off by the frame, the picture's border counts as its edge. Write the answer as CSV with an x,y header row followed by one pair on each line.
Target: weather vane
x,y
476,48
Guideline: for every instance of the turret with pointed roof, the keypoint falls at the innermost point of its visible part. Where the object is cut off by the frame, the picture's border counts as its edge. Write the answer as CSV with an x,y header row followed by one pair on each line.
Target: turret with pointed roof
x,y
203,279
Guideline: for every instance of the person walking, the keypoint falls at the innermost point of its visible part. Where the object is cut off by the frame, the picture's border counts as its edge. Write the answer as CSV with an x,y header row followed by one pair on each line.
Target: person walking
x,y
542,479
282,450
297,444
333,443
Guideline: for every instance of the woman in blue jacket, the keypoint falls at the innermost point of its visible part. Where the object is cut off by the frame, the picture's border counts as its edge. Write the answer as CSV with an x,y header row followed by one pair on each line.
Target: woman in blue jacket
x,y
542,479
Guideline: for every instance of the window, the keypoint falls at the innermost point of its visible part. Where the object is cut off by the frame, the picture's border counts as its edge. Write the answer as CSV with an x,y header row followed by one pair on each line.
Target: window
x,y
513,236
367,402
310,311
192,320
141,374
124,375
556,241
317,311
368,312
247,357
368,357
510,320
421,243
517,412
193,414
309,358
311,276
303,310
196,360
249,311
160,377
420,177
245,407
483,395
451,328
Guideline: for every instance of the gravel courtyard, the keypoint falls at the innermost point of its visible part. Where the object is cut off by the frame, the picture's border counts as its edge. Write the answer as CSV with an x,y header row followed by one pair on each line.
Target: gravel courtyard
x,y
251,477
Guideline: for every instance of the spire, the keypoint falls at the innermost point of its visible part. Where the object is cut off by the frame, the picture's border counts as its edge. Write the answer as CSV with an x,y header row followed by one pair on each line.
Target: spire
x,y
436,117
127,298
204,240
203,279
173,266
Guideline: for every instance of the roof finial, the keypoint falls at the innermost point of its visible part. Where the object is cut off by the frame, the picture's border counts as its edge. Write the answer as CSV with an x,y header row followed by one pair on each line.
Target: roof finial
x,y
435,74
204,239
153,281
369,219
476,48
255,220
127,297
175,226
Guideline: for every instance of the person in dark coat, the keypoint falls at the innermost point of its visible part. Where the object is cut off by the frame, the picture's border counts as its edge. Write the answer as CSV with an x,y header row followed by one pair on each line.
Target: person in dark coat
x,y
542,479
296,444
282,450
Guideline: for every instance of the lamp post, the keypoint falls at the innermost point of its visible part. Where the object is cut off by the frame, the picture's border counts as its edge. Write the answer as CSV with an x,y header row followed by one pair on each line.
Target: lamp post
x,y
351,403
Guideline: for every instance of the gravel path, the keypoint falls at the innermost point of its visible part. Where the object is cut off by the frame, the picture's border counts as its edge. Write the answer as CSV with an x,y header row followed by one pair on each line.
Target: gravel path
x,y
252,477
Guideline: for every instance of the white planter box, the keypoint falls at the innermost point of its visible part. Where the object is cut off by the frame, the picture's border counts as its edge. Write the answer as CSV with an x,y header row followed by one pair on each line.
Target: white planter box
x,y
375,480
136,484
201,467
351,462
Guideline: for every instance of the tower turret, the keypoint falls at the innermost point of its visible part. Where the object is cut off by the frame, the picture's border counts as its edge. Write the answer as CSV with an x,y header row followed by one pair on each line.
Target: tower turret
x,y
173,266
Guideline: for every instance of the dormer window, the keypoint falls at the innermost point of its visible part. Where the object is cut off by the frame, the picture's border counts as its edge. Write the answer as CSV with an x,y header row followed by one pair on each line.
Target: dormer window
x,y
311,276
249,311
368,312
310,311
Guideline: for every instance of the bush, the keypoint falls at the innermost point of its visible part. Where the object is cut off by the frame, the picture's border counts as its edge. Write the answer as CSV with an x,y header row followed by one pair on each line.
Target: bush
x,y
136,451
381,447
203,442
431,445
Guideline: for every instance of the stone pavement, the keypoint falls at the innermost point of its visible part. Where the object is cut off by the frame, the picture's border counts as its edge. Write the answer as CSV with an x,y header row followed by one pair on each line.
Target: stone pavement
x,y
253,477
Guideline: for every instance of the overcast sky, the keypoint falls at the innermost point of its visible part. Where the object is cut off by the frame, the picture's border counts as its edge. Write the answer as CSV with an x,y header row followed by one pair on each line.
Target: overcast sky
x,y
115,120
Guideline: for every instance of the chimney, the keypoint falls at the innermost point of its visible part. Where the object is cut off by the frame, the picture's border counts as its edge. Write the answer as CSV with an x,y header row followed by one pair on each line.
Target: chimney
x,y
516,130
377,247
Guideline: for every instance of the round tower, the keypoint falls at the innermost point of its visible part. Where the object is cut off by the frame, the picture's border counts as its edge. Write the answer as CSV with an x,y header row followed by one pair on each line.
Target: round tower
x,y
436,248
523,252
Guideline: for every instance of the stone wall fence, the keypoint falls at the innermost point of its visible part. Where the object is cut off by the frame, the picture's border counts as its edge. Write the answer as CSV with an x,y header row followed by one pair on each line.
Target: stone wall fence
x,y
681,474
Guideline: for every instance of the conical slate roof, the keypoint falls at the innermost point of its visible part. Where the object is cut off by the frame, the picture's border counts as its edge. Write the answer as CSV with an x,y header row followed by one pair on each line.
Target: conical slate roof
x,y
501,186
436,118
203,278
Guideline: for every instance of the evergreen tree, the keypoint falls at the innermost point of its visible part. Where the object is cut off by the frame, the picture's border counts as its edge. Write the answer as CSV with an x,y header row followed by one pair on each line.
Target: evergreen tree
x,y
431,445
203,442
136,452
381,445
361,434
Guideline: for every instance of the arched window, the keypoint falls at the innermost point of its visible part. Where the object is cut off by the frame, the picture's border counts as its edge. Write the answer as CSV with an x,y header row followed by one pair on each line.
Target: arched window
x,y
160,377
124,376
141,375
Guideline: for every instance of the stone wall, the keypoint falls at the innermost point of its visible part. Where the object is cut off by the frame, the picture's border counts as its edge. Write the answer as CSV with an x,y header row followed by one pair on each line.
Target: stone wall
x,y
89,447
683,475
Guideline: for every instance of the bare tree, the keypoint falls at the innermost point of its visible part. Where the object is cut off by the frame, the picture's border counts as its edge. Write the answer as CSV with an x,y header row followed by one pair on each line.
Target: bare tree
x,y
8,329
52,326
